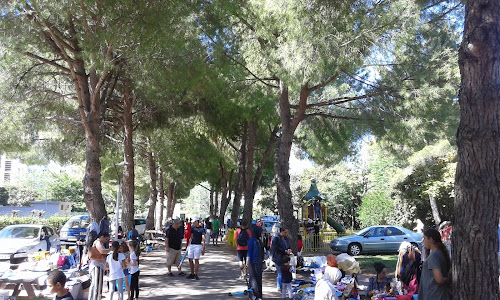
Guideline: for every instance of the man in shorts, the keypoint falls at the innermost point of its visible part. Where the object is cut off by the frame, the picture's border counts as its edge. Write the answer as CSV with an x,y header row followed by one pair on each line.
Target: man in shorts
x,y
196,248
173,241
242,246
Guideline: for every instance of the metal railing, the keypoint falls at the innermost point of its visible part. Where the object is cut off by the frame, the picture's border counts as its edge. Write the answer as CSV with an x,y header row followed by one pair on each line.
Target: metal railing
x,y
318,242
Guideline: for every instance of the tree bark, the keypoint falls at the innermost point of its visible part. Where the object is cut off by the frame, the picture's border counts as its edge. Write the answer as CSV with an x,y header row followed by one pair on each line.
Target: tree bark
x,y
128,210
170,200
477,194
216,204
240,183
435,210
153,192
211,206
161,199
249,169
282,161
225,191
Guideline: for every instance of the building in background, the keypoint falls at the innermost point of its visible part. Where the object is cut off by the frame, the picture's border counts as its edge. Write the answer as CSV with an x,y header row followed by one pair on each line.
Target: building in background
x,y
11,170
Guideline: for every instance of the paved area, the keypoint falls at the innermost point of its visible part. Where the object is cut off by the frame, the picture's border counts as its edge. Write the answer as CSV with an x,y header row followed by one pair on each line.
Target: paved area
x,y
219,271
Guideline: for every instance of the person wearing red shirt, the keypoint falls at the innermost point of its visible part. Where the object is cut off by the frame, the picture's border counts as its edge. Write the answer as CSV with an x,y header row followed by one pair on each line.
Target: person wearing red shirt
x,y
242,246
187,233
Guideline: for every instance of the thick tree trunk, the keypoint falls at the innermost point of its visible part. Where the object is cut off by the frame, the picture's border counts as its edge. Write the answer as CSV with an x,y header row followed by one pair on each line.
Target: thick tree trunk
x,y
240,183
249,169
170,200
282,166
435,210
211,206
225,185
161,199
128,210
153,192
477,194
216,204
92,194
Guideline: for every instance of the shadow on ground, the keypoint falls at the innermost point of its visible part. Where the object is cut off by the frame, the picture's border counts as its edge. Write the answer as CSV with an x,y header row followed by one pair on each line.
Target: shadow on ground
x,y
218,276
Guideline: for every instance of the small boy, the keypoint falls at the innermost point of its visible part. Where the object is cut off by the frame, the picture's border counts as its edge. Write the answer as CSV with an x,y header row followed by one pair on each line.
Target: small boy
x,y
55,282
286,277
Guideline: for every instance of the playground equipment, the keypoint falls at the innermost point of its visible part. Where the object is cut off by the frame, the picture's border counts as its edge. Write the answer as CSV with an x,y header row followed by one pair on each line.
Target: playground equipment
x,y
314,207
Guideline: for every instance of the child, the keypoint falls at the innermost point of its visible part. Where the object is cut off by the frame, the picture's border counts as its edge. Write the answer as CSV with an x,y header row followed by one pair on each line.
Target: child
x,y
55,282
133,247
124,251
389,290
114,263
286,278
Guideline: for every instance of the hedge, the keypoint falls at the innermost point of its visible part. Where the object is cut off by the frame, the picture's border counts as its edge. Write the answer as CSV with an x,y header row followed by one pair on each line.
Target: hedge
x,y
55,222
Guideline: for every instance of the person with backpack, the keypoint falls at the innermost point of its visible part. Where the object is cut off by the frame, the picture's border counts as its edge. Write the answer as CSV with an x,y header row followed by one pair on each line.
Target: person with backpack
x,y
241,236
133,234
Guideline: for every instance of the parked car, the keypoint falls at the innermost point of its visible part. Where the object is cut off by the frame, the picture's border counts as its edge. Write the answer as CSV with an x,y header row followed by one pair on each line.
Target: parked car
x,y
140,225
376,239
268,225
75,228
20,240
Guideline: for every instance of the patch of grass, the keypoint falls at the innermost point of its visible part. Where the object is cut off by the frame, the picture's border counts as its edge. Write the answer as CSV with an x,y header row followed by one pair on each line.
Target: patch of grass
x,y
366,263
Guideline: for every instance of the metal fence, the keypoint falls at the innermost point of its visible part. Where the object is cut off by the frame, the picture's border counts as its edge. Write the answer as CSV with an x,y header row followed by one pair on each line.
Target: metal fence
x,y
318,242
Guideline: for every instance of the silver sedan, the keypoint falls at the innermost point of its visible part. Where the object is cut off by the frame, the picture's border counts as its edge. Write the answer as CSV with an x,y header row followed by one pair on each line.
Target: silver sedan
x,y
376,239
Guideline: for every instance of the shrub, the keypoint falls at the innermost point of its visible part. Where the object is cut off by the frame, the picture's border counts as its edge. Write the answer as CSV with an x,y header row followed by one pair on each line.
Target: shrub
x,y
55,222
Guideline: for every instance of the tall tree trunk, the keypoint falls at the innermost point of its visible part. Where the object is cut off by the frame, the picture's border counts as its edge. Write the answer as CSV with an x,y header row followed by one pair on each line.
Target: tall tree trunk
x,y
128,210
249,169
153,192
225,185
435,210
240,183
159,218
477,194
92,194
89,87
211,206
282,161
170,200
216,203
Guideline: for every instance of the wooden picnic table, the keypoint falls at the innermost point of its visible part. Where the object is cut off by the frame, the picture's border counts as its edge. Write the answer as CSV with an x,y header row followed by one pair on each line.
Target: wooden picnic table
x,y
27,280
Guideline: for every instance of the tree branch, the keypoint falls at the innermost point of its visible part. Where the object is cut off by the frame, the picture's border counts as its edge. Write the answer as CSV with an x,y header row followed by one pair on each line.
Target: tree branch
x,y
71,120
49,62
325,115
324,83
241,64
340,100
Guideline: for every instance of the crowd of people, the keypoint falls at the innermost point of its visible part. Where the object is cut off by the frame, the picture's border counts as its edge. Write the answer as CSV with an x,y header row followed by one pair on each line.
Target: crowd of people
x,y
426,272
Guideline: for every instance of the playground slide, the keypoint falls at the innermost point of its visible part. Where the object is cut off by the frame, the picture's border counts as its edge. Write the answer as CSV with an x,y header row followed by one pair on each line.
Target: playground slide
x,y
337,226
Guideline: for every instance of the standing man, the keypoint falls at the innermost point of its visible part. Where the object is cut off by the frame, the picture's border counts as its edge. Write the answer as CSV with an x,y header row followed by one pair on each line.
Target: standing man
x,y
280,247
196,248
216,229
241,236
173,241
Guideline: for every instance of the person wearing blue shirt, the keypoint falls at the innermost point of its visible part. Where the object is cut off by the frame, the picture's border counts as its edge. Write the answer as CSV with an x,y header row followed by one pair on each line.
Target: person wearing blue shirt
x,y
280,247
254,261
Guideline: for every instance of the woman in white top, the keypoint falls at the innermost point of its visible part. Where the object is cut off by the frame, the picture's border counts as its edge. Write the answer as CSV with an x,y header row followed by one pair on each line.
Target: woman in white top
x,y
325,289
115,263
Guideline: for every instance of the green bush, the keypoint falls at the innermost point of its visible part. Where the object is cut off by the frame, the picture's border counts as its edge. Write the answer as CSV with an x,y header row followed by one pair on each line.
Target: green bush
x,y
55,222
